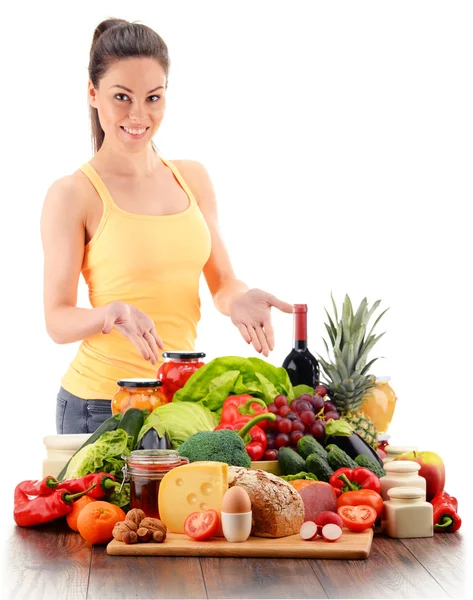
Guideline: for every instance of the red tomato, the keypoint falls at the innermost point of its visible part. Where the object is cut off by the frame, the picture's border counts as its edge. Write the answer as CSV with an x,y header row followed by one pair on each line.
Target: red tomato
x,y
362,497
357,518
202,525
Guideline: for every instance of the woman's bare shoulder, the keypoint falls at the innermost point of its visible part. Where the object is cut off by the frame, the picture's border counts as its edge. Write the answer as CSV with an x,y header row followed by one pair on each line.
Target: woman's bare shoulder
x,y
73,189
196,176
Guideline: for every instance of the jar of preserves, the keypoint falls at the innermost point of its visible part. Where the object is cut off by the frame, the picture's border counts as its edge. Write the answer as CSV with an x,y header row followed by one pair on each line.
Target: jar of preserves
x,y
144,470
401,473
176,370
406,514
379,404
138,393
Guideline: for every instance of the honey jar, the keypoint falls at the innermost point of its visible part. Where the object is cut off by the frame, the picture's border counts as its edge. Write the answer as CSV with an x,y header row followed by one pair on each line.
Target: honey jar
x,y
145,394
144,469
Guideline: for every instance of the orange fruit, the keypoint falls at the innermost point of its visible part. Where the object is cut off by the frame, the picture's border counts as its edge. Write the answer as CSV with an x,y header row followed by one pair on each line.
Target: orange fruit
x,y
97,520
78,505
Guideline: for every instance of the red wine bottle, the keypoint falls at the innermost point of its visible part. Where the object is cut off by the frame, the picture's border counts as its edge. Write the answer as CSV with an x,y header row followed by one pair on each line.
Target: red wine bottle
x,y
300,364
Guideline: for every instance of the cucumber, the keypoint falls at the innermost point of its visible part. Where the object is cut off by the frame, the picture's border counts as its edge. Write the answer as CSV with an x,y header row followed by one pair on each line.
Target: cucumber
x,y
290,462
338,459
110,424
308,445
132,422
365,461
319,467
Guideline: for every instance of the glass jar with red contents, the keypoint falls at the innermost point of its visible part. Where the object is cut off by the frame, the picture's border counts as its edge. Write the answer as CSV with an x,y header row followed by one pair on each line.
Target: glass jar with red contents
x,y
176,370
144,469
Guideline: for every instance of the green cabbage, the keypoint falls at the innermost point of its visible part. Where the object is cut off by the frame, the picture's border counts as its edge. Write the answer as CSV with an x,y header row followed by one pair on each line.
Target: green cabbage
x,y
181,421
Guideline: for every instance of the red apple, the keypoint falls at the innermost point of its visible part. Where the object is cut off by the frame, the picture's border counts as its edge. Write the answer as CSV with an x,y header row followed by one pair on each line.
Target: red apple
x,y
431,467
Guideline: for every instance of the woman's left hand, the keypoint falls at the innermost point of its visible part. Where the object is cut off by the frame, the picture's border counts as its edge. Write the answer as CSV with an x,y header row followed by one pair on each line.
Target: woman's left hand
x,y
250,312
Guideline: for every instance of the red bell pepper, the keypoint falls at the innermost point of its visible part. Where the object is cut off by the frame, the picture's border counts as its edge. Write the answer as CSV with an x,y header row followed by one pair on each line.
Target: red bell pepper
x,y
30,511
253,436
241,408
105,485
446,518
39,487
351,480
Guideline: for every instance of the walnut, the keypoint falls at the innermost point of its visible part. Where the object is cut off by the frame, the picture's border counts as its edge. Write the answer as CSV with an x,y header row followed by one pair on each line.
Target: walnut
x,y
129,537
135,515
144,535
159,536
122,527
153,525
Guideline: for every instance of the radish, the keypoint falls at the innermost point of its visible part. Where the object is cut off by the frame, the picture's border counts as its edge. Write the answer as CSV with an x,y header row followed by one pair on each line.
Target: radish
x,y
308,531
325,517
331,532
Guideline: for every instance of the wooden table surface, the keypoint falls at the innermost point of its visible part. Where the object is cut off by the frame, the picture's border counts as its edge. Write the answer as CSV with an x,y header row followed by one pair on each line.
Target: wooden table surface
x,y
52,562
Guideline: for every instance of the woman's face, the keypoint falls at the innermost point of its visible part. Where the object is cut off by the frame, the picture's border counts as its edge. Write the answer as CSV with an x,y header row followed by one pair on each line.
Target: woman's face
x,y
130,101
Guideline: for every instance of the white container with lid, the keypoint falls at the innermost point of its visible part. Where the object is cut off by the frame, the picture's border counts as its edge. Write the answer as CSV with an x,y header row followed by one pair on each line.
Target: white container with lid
x,y
60,448
407,515
394,451
401,473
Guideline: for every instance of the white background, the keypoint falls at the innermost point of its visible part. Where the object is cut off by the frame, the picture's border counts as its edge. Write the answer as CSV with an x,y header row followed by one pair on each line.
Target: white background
x,y
338,136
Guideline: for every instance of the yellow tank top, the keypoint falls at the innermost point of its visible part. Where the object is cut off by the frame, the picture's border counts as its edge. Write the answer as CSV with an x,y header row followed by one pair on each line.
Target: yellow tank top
x,y
151,262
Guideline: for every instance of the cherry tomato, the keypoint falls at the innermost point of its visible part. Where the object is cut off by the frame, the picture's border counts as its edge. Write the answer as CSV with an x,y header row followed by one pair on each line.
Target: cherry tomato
x,y
365,497
202,525
357,518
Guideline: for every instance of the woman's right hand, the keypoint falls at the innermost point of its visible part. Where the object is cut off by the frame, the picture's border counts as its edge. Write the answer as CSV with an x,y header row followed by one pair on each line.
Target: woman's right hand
x,y
136,326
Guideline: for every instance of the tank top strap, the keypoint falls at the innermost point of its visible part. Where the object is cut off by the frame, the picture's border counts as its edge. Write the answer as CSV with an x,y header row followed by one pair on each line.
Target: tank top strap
x,y
98,184
180,179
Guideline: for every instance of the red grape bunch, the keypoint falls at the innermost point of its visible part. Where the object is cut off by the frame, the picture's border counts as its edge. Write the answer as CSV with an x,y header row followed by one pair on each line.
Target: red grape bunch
x,y
306,415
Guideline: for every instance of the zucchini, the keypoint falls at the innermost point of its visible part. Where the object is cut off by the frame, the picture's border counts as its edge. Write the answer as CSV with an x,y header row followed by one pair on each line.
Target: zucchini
x,y
290,462
338,459
319,467
132,422
364,461
354,445
110,424
308,445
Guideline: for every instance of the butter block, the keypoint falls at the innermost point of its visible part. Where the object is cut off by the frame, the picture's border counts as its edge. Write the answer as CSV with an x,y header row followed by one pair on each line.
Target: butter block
x,y
191,488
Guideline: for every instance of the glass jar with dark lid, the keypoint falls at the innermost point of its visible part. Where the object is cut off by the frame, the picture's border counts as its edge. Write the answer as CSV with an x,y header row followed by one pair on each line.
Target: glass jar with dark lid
x,y
176,369
142,393
144,469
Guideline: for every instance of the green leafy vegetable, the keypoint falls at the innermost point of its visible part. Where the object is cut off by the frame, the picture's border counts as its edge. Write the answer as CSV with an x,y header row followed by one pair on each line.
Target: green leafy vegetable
x,y
302,388
301,475
226,376
181,420
104,455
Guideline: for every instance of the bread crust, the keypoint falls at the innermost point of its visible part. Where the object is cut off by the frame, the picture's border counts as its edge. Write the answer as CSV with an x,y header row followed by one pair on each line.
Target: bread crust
x,y
278,509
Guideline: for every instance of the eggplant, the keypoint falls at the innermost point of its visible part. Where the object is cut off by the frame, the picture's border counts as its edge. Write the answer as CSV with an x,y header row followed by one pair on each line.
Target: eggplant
x,y
353,445
152,441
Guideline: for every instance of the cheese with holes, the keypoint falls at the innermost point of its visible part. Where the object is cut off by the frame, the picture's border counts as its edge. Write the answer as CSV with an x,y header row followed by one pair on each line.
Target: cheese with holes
x,y
191,488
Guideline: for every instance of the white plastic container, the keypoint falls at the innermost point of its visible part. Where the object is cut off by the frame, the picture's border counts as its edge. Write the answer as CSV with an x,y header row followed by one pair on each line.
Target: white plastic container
x,y
59,449
407,515
401,473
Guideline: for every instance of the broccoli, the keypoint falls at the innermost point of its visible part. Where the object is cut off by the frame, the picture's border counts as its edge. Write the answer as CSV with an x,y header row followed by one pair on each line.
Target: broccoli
x,y
223,445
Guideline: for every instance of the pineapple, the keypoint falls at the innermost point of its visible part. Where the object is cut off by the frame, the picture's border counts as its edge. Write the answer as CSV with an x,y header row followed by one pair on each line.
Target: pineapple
x,y
347,374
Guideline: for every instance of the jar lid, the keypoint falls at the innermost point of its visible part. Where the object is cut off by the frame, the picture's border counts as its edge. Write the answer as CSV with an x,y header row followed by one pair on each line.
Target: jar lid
x,y
383,379
183,355
406,492
383,437
155,460
402,466
399,449
139,382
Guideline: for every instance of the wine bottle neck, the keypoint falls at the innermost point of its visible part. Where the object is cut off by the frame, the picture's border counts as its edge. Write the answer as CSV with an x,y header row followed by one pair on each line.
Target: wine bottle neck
x,y
300,331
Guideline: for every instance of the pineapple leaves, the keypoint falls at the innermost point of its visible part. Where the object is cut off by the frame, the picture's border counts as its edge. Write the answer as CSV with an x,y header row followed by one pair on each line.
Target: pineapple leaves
x,y
334,308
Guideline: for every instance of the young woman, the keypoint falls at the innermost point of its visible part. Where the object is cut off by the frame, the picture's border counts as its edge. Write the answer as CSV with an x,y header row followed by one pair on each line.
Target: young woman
x,y
141,230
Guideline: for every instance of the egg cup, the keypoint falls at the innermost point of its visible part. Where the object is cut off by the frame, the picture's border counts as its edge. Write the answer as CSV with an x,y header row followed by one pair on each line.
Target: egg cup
x,y
237,526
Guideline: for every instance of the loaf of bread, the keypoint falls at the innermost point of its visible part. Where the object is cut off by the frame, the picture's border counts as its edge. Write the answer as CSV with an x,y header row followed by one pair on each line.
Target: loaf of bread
x,y
278,509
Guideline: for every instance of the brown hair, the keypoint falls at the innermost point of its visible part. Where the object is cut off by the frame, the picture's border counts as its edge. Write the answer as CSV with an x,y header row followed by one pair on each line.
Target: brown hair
x,y
115,39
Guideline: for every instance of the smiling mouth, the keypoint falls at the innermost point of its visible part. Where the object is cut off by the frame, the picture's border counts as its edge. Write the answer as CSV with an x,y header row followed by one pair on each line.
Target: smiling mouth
x,y
136,132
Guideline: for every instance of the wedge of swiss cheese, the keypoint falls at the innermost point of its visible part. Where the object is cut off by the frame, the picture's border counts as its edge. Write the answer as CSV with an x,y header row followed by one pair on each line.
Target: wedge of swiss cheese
x,y
191,488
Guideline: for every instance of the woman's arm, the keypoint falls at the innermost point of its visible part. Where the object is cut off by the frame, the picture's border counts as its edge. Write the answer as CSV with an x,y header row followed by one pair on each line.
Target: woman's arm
x,y
63,222
63,235
248,309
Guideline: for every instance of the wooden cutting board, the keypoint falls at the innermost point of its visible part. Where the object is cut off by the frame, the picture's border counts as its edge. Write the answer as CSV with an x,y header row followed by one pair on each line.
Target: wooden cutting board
x,y
349,546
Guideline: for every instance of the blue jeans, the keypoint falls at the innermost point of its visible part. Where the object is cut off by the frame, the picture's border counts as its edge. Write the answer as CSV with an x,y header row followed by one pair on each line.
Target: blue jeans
x,y
75,415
